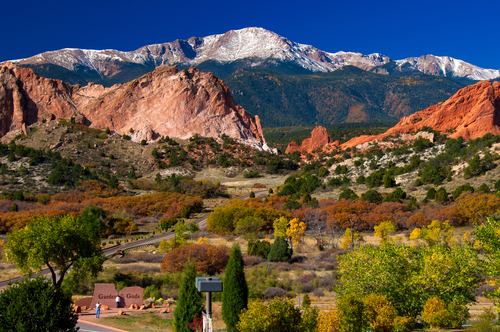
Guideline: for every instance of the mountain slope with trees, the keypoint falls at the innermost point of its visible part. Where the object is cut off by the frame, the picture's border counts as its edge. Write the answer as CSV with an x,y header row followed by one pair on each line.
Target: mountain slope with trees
x,y
348,94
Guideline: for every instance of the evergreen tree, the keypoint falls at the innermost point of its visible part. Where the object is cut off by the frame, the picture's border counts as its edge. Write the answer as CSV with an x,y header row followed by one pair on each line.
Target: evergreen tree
x,y
441,196
113,182
235,294
132,175
389,181
280,250
190,302
484,188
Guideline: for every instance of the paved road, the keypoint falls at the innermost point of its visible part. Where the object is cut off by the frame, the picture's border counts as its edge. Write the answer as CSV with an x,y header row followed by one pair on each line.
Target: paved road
x,y
202,221
88,327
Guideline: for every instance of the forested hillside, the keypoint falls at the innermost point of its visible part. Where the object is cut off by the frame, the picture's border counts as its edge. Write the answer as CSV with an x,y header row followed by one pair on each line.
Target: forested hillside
x,y
345,95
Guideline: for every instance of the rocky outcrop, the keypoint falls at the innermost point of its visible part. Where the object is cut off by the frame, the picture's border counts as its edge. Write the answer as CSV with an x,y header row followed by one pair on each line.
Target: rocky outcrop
x,y
163,102
471,113
319,138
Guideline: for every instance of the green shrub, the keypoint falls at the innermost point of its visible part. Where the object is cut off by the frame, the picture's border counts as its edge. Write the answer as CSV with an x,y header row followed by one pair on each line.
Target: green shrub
x,y
459,314
431,194
259,248
484,188
396,196
460,189
360,180
441,196
251,174
152,292
403,324
372,196
348,193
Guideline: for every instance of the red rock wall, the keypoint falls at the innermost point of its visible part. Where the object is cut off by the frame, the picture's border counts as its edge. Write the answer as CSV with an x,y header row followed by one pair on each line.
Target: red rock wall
x,y
471,113
165,101
319,138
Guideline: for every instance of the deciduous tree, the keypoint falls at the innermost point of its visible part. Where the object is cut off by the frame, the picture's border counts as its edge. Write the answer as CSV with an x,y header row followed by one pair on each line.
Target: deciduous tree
x,y
408,276
60,243
296,232
281,315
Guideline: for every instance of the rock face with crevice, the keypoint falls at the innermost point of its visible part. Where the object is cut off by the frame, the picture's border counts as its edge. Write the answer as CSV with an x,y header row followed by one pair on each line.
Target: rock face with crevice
x,y
163,102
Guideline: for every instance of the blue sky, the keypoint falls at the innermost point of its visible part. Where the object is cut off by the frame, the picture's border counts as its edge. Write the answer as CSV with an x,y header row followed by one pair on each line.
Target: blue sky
x,y
465,30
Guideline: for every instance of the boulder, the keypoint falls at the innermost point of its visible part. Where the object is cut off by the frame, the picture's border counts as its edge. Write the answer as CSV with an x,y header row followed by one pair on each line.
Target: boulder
x,y
77,309
104,307
121,312
134,306
143,307
81,120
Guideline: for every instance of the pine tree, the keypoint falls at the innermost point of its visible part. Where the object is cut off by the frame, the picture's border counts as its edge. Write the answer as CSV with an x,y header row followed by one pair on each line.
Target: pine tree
x,y
280,250
235,289
190,300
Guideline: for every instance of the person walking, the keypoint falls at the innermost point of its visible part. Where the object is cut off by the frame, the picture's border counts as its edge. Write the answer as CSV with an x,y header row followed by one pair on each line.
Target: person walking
x,y
118,301
97,309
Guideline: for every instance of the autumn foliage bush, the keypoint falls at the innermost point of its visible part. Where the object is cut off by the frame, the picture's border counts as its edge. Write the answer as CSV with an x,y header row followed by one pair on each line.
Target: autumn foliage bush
x,y
223,220
436,314
11,220
209,258
280,315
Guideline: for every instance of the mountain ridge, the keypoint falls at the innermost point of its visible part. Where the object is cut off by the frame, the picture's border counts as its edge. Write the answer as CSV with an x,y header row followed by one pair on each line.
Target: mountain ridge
x,y
257,44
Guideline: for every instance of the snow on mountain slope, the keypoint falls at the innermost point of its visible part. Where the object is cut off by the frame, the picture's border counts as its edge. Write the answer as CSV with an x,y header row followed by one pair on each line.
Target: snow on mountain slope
x,y
450,67
255,44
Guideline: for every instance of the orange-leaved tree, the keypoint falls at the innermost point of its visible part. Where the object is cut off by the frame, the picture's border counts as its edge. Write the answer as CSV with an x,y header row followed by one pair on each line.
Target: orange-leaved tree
x,y
208,258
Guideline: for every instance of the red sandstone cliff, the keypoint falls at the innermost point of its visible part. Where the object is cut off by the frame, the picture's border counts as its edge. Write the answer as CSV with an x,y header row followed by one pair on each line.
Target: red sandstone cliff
x,y
163,102
319,138
471,113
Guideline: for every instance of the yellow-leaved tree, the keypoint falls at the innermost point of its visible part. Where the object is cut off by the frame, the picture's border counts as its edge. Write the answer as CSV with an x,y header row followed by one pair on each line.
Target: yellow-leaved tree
x,y
329,320
350,239
383,230
296,232
280,226
433,234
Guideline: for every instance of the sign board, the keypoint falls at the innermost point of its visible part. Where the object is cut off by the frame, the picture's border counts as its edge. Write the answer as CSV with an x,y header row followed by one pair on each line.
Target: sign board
x,y
107,293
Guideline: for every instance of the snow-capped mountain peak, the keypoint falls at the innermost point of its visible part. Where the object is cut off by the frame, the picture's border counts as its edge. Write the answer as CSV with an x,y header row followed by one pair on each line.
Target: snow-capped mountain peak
x,y
254,44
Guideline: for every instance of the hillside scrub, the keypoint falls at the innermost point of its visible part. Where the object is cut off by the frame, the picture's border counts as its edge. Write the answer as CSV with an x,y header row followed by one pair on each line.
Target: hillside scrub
x,y
98,194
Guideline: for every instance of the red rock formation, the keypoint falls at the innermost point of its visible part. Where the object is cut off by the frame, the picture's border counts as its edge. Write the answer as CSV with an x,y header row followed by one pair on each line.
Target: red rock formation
x,y
472,112
319,138
163,102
